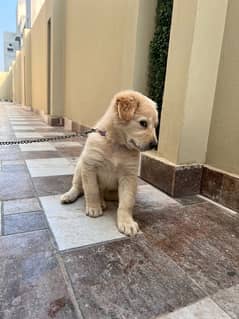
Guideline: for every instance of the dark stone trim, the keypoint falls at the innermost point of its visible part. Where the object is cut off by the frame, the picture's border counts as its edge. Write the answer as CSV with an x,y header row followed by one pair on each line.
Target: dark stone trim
x,y
179,181
175,180
221,187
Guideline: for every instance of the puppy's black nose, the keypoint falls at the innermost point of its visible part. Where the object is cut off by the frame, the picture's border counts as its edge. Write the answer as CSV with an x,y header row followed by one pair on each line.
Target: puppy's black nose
x,y
153,144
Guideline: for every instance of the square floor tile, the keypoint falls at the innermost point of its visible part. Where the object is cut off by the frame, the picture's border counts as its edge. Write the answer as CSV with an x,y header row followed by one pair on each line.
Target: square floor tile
x,y
53,133
15,185
28,119
37,123
31,281
40,154
227,299
22,128
202,239
68,144
37,147
72,228
52,185
127,279
70,151
14,166
21,206
8,153
150,198
49,167
23,222
27,134
203,309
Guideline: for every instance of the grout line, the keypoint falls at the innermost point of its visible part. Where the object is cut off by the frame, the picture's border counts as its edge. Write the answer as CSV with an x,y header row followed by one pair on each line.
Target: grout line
x,y
25,232
230,211
1,218
69,287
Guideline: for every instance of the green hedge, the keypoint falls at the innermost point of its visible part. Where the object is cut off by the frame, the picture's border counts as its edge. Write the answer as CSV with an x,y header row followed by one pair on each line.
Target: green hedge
x,y
159,51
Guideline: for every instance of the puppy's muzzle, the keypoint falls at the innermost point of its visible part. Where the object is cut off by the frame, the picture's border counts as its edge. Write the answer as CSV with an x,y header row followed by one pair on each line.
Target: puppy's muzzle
x,y
153,144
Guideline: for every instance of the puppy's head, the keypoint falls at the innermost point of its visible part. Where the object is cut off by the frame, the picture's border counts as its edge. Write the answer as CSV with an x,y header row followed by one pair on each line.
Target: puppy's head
x,y
137,119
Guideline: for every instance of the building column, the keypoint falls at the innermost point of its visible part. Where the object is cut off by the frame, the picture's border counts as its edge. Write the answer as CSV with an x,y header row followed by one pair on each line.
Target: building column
x,y
194,54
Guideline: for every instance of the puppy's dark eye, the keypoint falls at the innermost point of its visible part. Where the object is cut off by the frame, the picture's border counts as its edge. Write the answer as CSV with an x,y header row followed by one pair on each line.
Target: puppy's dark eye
x,y
143,123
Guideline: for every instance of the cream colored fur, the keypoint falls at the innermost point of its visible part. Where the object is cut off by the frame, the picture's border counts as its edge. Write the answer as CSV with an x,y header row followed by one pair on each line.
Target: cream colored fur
x,y
108,166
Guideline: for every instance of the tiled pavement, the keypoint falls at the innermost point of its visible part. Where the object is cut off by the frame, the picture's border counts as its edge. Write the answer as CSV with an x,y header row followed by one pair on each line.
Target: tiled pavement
x,y
57,263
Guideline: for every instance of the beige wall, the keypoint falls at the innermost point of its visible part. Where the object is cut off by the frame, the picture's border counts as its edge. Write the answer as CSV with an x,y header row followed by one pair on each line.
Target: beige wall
x,y
100,53
144,34
35,9
193,60
39,61
13,81
52,104
26,69
6,85
18,78
58,58
223,145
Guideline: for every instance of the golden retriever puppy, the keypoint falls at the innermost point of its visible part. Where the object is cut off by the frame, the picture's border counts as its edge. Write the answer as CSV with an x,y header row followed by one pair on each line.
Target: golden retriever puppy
x,y
108,166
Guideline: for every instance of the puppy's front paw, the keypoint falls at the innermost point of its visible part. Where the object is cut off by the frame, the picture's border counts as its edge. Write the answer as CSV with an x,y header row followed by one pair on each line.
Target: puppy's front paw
x,y
94,211
71,196
67,198
128,226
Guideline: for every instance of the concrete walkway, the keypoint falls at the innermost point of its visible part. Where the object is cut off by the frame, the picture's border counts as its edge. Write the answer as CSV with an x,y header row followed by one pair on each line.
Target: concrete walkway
x,y
57,263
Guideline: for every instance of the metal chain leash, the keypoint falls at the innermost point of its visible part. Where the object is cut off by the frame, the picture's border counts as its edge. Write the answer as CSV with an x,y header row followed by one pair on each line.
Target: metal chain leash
x,y
50,139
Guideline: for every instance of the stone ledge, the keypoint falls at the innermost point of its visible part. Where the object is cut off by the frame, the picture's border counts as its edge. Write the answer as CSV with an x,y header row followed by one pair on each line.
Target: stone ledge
x,y
174,180
181,180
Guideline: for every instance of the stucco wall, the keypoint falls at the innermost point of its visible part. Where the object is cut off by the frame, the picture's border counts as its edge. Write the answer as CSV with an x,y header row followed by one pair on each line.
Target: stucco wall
x,y
223,145
192,70
49,102
18,78
26,68
100,53
6,85
39,61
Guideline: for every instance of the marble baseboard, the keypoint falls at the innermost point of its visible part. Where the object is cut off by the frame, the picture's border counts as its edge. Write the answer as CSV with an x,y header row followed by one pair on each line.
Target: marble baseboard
x,y
74,126
177,181
221,187
50,119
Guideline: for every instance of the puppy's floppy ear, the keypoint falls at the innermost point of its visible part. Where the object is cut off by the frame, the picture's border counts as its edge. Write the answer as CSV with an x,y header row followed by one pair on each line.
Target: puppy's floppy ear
x,y
126,106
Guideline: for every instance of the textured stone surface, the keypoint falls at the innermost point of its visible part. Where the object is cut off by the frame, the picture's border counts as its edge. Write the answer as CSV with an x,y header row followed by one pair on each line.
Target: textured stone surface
x,y
203,309
8,153
150,198
190,200
31,281
175,181
21,206
227,299
23,222
211,184
157,173
52,185
40,154
15,185
70,151
49,167
72,228
230,192
203,239
37,147
127,279
187,180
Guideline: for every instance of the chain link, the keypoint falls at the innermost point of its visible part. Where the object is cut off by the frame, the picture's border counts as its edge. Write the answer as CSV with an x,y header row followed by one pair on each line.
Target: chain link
x,y
50,139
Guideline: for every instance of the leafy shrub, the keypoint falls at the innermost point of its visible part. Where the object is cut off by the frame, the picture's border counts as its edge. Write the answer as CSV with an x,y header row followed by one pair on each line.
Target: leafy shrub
x,y
158,51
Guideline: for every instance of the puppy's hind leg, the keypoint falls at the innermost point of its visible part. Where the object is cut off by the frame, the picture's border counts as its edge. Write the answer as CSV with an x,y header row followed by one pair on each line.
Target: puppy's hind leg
x,y
76,189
